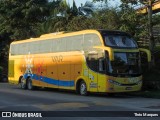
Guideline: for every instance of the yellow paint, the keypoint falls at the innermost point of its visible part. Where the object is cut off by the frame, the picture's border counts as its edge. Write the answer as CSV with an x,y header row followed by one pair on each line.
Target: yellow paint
x,y
117,88
109,50
147,52
66,67
155,7
11,68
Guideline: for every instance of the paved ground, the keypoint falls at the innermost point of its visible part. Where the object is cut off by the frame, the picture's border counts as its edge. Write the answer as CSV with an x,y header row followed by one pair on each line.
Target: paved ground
x,y
12,98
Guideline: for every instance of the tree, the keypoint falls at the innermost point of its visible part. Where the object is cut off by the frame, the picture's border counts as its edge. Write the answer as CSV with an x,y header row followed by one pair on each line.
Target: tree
x,y
55,9
74,9
60,15
86,9
20,17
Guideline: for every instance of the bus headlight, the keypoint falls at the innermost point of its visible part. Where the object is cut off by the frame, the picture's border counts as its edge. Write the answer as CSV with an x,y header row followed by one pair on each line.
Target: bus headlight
x,y
114,82
110,81
139,82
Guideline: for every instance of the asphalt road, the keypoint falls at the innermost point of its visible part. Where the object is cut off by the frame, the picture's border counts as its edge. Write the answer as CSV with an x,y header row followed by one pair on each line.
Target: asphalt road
x,y
54,102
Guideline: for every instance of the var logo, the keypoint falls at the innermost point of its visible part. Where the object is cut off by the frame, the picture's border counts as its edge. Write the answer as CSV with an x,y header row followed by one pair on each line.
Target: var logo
x,y
57,58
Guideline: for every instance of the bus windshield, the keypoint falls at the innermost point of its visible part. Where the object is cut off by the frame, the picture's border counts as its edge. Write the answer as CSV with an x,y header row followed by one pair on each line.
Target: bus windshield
x,y
119,41
125,64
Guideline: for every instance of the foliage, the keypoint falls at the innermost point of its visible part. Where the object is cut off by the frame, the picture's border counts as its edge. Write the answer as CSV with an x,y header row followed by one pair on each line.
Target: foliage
x,y
60,14
103,19
19,17
132,22
107,19
1,68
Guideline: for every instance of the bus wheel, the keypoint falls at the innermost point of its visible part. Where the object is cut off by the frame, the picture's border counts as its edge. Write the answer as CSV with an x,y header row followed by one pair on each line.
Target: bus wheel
x,y
23,83
29,84
83,88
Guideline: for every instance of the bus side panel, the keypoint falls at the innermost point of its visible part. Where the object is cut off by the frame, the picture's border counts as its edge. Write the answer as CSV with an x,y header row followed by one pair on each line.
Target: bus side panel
x,y
52,73
39,71
15,69
11,68
102,83
11,71
77,70
57,71
64,75
69,69
43,72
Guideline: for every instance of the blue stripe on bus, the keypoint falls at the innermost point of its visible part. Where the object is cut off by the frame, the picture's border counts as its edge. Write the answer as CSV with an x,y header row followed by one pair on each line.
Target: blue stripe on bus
x,y
68,83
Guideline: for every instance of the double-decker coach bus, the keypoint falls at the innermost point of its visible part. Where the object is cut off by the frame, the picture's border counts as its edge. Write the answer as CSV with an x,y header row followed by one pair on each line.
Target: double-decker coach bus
x,y
84,61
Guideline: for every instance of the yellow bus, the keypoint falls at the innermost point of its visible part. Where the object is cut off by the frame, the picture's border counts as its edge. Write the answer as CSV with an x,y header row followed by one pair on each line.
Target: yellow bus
x,y
85,61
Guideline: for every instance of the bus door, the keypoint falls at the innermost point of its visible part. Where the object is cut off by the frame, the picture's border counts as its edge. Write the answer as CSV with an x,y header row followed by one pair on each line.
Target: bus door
x,y
92,62
101,75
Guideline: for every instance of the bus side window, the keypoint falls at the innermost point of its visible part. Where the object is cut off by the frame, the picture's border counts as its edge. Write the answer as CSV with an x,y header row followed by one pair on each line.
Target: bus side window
x,y
91,40
92,62
54,45
74,43
62,44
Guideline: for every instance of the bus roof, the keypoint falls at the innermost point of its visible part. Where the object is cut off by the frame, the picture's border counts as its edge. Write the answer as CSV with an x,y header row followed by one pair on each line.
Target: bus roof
x,y
113,32
66,33
55,35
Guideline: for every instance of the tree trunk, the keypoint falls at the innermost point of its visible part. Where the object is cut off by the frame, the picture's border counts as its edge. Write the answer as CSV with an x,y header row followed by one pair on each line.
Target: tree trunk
x,y
150,30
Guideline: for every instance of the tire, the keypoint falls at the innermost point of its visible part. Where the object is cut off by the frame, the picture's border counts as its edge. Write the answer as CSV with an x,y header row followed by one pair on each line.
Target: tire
x,y
4,79
83,88
23,83
29,84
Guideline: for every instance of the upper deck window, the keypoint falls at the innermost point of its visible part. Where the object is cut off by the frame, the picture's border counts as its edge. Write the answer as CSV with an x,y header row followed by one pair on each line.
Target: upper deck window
x,y
120,41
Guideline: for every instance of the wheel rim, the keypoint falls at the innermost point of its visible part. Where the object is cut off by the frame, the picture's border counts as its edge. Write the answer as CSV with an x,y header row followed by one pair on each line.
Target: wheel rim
x,y
23,83
83,89
29,85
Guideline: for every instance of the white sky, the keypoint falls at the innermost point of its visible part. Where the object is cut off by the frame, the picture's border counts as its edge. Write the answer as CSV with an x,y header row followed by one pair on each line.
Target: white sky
x,y
78,2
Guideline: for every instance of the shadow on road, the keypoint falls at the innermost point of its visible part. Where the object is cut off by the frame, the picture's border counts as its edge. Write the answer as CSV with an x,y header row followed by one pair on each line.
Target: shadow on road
x,y
70,92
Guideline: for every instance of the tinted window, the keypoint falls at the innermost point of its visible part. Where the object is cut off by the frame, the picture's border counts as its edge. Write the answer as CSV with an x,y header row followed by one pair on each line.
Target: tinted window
x,y
71,43
119,41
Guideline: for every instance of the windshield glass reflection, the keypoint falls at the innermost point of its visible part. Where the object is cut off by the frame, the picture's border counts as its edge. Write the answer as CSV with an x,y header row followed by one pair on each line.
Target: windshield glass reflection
x,y
120,41
125,64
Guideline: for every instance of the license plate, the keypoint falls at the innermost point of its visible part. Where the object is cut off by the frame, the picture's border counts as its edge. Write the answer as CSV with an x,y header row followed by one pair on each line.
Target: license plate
x,y
128,88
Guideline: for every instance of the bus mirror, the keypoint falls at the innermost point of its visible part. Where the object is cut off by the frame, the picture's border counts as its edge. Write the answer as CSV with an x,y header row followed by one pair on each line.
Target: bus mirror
x,y
147,52
109,50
